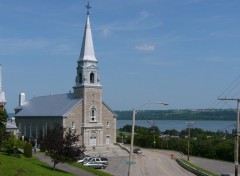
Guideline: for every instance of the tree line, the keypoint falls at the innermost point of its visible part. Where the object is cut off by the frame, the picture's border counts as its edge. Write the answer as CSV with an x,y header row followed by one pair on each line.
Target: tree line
x,y
215,145
187,114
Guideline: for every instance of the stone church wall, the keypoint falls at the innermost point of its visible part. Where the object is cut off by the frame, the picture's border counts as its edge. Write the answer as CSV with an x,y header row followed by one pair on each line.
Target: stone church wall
x,y
109,125
74,120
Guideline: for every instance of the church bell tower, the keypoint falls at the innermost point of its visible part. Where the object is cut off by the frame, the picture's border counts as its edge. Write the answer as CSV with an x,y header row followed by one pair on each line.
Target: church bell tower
x,y
88,88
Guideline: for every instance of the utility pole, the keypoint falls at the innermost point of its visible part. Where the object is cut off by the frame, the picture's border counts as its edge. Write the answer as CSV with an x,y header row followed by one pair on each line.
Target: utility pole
x,y
236,147
189,125
154,140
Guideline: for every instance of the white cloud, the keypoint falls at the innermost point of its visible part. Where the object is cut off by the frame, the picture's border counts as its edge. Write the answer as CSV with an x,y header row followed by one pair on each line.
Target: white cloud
x,y
141,22
145,47
14,46
106,32
219,59
18,46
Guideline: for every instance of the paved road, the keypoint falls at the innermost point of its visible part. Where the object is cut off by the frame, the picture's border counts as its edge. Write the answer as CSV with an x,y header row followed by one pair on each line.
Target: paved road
x,y
62,166
158,162
216,166
151,163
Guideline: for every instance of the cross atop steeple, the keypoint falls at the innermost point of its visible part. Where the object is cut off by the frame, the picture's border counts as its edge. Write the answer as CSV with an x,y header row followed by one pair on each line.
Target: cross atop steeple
x,y
88,7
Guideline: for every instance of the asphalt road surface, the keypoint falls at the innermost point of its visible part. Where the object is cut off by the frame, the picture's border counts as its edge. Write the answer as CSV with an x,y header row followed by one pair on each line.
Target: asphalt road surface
x,y
150,163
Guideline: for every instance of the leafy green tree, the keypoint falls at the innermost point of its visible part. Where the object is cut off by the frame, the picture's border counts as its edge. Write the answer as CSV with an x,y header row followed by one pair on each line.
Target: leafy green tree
x,y
224,150
10,144
215,145
3,120
62,145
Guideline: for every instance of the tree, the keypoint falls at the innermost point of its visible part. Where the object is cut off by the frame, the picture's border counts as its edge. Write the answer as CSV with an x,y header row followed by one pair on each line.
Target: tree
x,y
10,144
62,145
3,120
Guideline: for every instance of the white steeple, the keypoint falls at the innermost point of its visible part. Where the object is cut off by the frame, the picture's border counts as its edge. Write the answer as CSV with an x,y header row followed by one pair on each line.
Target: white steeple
x,y
87,70
87,50
2,94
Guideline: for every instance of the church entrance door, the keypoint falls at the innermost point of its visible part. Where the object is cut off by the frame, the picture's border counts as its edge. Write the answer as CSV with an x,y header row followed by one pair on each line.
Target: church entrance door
x,y
93,141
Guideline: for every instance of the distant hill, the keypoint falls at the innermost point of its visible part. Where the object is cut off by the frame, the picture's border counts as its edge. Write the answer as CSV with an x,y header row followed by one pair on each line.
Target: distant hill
x,y
187,114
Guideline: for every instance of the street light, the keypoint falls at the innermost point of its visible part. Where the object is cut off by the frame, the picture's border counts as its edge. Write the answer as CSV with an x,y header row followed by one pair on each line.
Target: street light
x,y
132,134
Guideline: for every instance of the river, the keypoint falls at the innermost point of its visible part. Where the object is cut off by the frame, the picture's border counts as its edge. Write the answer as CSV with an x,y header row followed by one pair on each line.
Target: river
x,y
179,125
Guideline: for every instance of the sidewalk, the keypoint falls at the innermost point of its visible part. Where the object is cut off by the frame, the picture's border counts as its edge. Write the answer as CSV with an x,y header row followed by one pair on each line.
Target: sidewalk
x,y
62,166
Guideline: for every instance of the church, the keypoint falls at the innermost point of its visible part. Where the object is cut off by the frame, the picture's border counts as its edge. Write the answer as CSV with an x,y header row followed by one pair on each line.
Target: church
x,y
82,110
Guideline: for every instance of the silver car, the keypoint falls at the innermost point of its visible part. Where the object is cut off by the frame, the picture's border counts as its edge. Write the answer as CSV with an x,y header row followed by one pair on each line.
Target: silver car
x,y
84,160
95,165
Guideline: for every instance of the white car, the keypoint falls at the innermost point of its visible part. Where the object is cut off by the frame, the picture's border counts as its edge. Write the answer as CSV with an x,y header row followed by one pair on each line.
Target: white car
x,y
84,160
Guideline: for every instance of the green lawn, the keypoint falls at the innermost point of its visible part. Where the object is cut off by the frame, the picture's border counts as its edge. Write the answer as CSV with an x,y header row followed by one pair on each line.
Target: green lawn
x,y
12,166
98,172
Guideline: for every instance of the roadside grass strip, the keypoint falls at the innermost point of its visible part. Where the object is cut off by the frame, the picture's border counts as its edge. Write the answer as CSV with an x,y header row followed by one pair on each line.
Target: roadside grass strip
x,y
16,166
194,169
92,170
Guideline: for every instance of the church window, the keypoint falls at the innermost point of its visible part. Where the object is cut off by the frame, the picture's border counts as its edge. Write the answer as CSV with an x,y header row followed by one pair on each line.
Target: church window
x,y
73,125
107,124
93,117
80,77
92,77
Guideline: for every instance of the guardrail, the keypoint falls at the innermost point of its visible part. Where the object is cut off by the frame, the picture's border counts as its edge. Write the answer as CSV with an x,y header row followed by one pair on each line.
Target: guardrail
x,y
191,169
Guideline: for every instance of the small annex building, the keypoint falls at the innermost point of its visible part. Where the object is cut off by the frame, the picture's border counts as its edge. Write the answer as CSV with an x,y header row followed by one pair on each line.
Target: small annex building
x,y
83,109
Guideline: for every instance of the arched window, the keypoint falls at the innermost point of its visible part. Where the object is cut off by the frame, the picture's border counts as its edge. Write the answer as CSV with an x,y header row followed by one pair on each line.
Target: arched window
x,y
92,77
73,125
93,112
107,124
93,117
80,78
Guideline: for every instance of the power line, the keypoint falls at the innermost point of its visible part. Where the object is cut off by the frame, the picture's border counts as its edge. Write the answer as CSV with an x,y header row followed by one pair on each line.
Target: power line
x,y
236,143
231,87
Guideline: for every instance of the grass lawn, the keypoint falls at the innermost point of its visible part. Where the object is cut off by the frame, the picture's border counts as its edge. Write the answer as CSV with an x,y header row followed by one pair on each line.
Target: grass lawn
x,y
12,166
98,172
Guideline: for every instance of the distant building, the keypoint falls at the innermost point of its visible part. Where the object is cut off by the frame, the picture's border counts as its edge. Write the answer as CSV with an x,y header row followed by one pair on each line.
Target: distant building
x,y
83,110
11,126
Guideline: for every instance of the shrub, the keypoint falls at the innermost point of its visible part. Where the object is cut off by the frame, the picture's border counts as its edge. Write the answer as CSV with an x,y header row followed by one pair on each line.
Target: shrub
x,y
9,144
28,150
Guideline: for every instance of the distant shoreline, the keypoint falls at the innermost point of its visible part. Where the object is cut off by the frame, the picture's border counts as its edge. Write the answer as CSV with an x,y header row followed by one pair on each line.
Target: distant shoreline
x,y
184,119
188,114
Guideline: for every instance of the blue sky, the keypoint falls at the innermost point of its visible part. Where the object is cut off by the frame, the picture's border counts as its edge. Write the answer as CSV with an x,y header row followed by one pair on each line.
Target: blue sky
x,y
185,52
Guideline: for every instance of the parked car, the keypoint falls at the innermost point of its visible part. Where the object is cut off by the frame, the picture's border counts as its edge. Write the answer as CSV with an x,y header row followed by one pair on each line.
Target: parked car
x,y
137,150
84,160
101,160
95,165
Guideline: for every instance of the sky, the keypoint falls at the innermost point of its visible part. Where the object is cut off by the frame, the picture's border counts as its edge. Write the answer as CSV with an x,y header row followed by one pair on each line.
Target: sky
x,y
184,52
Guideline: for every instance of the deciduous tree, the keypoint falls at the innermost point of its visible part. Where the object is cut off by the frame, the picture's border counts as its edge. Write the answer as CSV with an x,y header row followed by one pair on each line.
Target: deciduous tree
x,y
62,145
3,120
